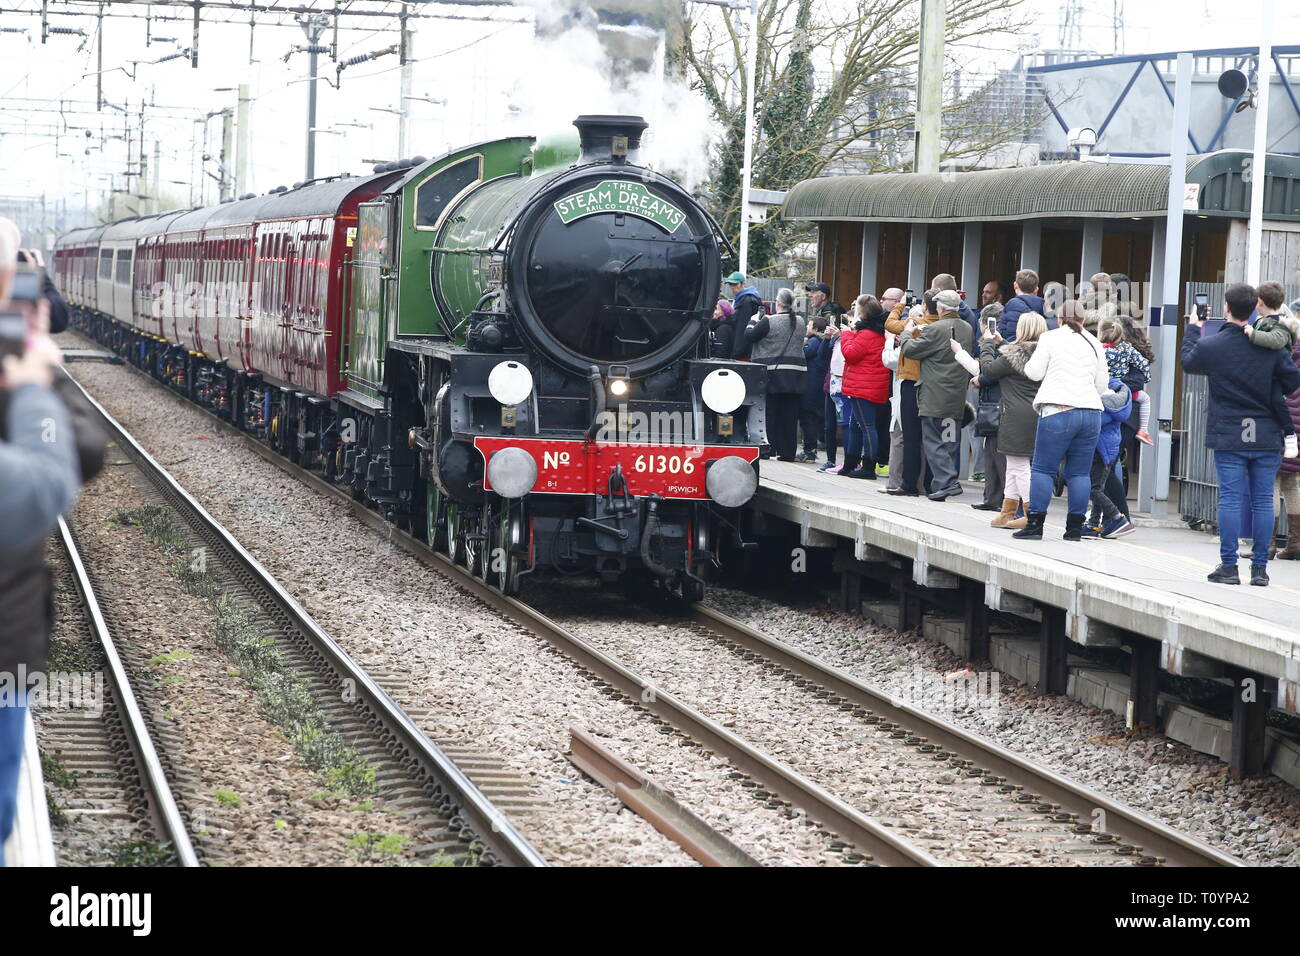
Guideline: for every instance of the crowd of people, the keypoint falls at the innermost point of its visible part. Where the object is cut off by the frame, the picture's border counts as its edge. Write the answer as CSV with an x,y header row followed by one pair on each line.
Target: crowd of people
x,y
888,387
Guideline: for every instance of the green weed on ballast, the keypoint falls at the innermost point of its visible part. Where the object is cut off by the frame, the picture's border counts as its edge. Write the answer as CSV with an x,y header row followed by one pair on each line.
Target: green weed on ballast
x,y
198,583
169,657
56,775
227,798
143,853
76,655
381,847
285,699
156,522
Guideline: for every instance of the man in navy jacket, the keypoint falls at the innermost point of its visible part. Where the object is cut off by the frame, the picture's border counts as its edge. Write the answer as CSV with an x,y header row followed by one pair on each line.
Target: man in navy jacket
x,y
1025,300
1240,428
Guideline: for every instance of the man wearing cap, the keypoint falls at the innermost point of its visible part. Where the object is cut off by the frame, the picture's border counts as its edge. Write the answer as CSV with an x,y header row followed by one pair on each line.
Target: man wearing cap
x,y
941,395
820,303
747,305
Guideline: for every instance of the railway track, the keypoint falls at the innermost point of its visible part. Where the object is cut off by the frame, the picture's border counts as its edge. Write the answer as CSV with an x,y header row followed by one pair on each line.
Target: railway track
x,y
466,826
109,749
1039,794
1091,816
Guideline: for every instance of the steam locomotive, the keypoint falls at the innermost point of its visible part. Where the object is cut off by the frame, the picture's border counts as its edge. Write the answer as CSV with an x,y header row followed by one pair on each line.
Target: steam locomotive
x,y
504,349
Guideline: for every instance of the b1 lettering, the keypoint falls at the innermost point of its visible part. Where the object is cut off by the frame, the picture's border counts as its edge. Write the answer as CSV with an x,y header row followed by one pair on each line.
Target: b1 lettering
x,y
671,464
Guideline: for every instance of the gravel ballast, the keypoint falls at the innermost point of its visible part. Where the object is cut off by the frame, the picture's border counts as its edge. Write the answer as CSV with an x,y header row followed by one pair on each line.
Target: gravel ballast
x,y
250,800
954,817
1256,820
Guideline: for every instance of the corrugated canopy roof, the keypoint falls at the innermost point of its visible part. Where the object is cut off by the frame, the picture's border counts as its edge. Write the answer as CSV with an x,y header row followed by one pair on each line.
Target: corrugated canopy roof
x,y
1055,190
1029,192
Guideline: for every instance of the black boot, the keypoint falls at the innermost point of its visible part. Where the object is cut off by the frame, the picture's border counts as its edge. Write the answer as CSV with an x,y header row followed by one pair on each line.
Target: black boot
x,y
1033,529
851,462
1073,528
1224,574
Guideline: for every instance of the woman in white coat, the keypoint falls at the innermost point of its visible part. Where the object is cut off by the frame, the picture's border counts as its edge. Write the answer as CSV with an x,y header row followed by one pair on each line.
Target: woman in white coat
x,y
1070,364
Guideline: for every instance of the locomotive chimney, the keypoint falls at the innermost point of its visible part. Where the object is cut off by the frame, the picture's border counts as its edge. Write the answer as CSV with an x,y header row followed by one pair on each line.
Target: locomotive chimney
x,y
607,139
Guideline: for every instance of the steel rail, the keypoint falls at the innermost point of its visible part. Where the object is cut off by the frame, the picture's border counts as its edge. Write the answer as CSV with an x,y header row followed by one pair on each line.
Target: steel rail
x,y
1127,824
168,822
653,803
490,826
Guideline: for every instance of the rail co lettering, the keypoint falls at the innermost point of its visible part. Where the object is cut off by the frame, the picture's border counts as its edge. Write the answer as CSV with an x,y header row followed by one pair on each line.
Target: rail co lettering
x,y
613,196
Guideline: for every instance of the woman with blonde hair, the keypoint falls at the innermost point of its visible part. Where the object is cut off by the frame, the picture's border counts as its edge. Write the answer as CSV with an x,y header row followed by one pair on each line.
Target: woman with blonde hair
x,y
1070,367
1004,363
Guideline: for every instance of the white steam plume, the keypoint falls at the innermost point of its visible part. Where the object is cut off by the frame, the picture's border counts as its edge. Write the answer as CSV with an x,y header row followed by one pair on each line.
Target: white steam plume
x,y
582,66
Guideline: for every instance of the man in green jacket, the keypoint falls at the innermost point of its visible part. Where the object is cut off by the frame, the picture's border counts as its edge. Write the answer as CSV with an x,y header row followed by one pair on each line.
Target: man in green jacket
x,y
941,395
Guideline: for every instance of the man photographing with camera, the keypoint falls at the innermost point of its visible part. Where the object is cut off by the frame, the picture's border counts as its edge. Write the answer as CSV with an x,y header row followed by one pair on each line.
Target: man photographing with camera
x,y
39,475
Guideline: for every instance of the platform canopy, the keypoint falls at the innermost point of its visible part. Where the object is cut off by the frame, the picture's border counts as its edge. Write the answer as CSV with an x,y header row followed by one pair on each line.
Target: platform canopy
x,y
1101,190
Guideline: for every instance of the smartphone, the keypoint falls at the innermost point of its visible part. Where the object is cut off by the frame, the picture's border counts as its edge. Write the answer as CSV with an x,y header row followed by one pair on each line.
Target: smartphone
x,y
13,333
1202,306
991,323
952,333
909,298
962,293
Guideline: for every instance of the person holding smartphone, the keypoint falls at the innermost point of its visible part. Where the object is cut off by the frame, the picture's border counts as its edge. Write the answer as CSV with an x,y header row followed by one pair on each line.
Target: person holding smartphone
x,y
1241,429
941,393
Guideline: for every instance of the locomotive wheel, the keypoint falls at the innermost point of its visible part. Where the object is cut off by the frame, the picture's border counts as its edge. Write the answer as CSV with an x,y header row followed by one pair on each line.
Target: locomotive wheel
x,y
480,544
510,531
703,538
455,541
436,519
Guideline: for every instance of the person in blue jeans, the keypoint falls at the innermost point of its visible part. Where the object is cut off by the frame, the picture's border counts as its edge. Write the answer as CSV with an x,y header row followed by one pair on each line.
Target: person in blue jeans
x,y
38,479
1241,429
1070,366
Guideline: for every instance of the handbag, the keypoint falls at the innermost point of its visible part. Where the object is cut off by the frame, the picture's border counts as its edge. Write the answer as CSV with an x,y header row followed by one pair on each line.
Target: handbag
x,y
988,417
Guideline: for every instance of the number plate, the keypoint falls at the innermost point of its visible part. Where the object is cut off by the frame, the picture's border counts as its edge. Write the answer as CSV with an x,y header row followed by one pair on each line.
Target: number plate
x,y
570,467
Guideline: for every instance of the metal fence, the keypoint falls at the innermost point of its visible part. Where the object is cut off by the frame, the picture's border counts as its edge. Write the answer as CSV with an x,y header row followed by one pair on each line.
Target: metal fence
x,y
1198,483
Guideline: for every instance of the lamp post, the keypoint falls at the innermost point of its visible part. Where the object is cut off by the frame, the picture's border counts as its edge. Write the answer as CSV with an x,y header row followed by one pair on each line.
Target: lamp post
x,y
1255,232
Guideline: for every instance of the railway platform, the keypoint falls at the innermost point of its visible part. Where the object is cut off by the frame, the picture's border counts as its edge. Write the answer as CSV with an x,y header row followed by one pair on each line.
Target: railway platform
x,y
31,843
1145,593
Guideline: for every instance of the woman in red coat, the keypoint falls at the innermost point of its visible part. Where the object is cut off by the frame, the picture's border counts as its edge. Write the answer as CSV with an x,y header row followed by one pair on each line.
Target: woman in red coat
x,y
865,386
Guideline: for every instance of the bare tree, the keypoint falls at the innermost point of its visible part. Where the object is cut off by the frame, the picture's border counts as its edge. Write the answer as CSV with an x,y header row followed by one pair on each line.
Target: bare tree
x,y
834,92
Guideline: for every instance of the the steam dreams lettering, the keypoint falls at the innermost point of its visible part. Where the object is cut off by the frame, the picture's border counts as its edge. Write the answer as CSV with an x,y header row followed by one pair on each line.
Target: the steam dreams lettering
x,y
613,196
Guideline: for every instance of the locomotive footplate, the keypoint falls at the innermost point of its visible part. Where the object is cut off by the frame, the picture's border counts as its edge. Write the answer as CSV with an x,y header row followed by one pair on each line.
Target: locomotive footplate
x,y
577,467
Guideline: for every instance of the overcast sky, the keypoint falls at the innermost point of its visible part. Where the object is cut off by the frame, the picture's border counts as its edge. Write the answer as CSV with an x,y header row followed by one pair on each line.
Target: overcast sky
x,y
491,73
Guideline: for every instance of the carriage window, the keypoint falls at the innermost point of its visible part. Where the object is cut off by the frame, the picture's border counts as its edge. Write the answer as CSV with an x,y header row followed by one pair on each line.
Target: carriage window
x,y
124,266
106,263
434,194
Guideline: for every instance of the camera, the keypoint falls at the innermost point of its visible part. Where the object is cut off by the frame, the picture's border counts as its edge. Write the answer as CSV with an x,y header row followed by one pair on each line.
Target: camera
x,y
1202,306
28,283
13,333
